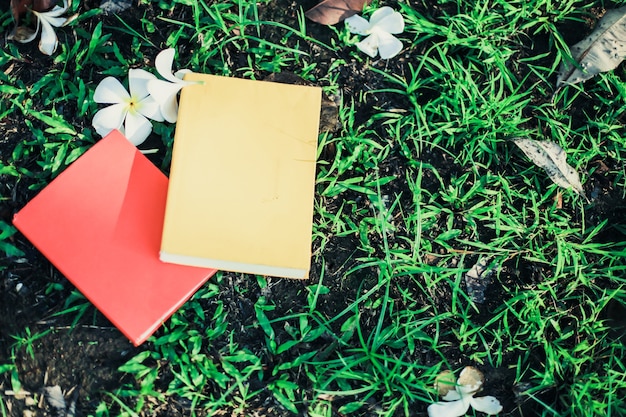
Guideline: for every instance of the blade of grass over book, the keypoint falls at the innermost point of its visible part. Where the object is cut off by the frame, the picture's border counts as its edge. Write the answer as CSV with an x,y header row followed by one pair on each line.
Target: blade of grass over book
x,y
100,223
242,178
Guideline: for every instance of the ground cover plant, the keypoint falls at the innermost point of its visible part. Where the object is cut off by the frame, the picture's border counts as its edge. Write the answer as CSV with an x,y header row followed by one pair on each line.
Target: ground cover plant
x,y
437,243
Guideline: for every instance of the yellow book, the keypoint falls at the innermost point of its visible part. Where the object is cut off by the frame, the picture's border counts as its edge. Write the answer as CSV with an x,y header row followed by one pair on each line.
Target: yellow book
x,y
242,178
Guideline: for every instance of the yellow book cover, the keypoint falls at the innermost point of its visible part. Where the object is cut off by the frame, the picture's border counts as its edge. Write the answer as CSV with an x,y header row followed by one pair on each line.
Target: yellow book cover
x,y
241,189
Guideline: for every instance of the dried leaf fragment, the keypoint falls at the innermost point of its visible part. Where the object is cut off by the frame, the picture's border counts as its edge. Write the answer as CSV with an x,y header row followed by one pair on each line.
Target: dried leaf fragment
x,y
331,12
54,396
470,380
478,278
445,383
552,158
19,8
601,51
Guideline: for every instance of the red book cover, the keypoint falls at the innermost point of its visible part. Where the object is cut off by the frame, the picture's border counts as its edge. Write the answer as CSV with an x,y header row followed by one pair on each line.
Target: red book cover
x,y
100,223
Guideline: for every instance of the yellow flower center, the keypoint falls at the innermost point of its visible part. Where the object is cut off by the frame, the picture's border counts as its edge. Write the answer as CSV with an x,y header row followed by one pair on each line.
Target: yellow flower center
x,y
133,104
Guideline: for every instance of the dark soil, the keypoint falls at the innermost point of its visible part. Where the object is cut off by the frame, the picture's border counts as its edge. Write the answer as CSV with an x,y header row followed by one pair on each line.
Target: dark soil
x,y
86,355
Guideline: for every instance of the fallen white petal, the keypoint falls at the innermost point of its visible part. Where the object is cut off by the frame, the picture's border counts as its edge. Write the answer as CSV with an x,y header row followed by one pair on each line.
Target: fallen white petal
x,y
109,118
138,82
387,20
57,10
165,93
469,389
448,409
451,395
388,45
488,405
110,90
137,128
357,24
369,45
54,21
48,42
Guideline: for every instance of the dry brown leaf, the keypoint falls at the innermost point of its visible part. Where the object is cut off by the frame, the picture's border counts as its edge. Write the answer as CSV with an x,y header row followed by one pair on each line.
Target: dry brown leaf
x,y
603,50
22,34
331,12
19,8
552,158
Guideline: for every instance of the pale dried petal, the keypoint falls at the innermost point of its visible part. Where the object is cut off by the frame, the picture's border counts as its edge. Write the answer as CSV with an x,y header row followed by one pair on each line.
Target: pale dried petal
x,y
57,10
388,45
110,90
48,42
488,405
369,45
449,409
54,21
387,20
451,396
357,24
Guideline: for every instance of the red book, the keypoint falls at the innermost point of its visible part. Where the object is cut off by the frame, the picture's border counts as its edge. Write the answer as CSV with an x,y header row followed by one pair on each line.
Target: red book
x,y
100,223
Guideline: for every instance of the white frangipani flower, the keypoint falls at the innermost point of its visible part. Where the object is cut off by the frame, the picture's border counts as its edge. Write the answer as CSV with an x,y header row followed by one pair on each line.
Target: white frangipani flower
x,y
460,396
129,112
164,92
382,24
47,21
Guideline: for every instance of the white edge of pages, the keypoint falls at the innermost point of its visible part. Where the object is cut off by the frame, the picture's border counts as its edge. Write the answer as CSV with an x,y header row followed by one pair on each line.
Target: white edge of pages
x,y
274,271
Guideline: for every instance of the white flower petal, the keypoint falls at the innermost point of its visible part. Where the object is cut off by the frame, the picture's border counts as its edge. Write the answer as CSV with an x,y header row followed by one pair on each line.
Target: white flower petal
x,y
48,42
137,128
163,64
180,74
109,118
488,405
138,83
57,10
448,409
387,20
165,93
54,21
468,389
451,395
369,45
150,108
380,14
110,90
357,24
388,45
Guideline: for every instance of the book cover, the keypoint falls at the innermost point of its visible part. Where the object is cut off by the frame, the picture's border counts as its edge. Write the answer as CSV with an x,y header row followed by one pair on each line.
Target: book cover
x,y
242,178
100,223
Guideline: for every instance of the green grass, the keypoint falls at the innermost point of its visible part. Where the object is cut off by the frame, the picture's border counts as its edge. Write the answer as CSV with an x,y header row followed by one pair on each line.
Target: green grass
x,y
417,184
